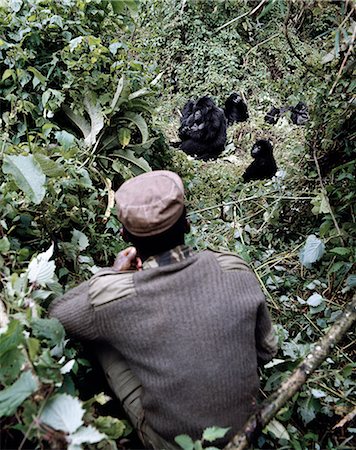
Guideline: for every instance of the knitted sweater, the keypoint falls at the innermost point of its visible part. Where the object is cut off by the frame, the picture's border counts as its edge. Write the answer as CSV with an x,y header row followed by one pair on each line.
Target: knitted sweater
x,y
192,330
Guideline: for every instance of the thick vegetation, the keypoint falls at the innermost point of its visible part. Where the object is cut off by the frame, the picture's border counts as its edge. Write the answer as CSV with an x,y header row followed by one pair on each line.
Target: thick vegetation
x,y
86,87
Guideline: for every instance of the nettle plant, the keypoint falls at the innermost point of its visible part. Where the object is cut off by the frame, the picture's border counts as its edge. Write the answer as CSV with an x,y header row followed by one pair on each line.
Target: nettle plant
x,y
75,121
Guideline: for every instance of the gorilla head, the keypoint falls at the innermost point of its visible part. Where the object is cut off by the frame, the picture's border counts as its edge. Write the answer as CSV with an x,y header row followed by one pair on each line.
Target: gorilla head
x,y
235,109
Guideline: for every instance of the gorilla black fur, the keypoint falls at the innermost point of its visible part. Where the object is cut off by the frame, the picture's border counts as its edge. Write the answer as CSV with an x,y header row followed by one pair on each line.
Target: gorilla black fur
x,y
300,115
235,109
203,129
264,166
275,113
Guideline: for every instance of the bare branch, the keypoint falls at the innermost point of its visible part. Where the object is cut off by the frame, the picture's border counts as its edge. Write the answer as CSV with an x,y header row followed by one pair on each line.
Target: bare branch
x,y
274,403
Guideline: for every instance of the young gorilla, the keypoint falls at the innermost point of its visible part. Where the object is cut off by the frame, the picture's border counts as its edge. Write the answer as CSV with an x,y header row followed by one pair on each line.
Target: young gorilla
x,y
300,115
203,129
275,113
264,166
235,109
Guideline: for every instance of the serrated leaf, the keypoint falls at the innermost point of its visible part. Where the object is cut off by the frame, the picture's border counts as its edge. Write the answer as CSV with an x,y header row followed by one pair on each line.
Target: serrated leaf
x,y
140,122
111,426
312,251
28,176
315,300
40,269
184,441
87,435
11,357
93,108
277,430
12,397
50,329
65,139
64,413
212,433
50,168
124,136
342,251
129,156
79,239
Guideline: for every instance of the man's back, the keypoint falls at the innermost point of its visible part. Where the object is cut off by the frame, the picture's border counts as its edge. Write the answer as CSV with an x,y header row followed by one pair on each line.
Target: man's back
x,y
191,327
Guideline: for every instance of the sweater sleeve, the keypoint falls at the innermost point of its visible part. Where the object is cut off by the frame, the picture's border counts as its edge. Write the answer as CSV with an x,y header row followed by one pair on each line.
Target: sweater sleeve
x,y
75,313
266,339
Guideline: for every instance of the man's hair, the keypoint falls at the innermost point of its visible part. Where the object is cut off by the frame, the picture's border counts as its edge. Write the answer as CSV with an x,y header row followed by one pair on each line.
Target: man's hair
x,y
159,243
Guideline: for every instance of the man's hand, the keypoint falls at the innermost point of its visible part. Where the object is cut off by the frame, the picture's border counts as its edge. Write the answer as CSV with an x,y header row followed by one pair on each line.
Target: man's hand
x,y
127,260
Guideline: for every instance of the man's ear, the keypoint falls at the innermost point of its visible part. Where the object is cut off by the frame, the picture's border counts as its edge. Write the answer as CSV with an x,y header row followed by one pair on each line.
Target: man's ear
x,y
124,234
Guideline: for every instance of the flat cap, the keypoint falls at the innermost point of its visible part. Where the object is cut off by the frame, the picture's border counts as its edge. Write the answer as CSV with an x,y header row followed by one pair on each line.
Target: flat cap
x,y
150,203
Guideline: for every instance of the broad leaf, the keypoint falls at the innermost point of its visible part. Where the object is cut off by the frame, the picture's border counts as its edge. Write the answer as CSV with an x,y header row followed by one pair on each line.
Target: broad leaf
x,y
65,139
78,120
129,156
28,176
93,108
49,329
50,168
64,413
139,93
119,88
277,430
212,433
111,426
124,136
40,269
87,435
12,397
184,441
315,300
140,122
312,251
79,239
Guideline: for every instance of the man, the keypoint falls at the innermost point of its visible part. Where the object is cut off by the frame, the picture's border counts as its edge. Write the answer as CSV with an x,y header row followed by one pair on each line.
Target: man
x,y
179,334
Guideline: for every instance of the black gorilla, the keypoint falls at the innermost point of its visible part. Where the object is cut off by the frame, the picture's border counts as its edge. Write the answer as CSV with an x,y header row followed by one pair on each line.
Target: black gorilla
x,y
235,109
203,129
300,115
275,113
264,166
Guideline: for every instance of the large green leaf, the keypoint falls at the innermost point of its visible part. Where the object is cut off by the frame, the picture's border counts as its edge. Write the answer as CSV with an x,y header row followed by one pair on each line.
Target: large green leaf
x,y
129,156
50,329
27,174
212,433
41,269
119,88
140,122
184,441
93,108
12,397
52,169
312,251
63,412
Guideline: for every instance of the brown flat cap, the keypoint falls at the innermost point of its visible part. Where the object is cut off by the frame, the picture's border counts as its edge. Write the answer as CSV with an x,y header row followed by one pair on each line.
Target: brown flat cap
x,y
150,203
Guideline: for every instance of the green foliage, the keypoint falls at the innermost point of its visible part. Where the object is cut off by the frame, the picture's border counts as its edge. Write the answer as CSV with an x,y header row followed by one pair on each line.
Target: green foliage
x,y
210,435
78,79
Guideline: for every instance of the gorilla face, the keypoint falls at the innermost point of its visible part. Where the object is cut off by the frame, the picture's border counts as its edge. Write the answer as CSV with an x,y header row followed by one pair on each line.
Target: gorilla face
x,y
262,149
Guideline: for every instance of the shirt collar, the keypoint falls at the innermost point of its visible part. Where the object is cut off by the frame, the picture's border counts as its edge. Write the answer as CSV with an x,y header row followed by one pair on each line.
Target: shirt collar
x,y
174,255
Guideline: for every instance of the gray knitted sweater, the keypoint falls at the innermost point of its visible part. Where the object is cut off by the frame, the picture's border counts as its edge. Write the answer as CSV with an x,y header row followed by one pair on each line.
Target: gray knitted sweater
x,y
193,329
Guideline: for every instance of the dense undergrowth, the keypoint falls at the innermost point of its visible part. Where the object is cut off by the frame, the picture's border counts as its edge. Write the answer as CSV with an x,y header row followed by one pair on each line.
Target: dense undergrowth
x,y
89,96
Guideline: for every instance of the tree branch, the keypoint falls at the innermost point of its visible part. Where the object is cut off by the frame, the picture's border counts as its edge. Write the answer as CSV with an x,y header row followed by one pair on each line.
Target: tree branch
x,y
274,403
